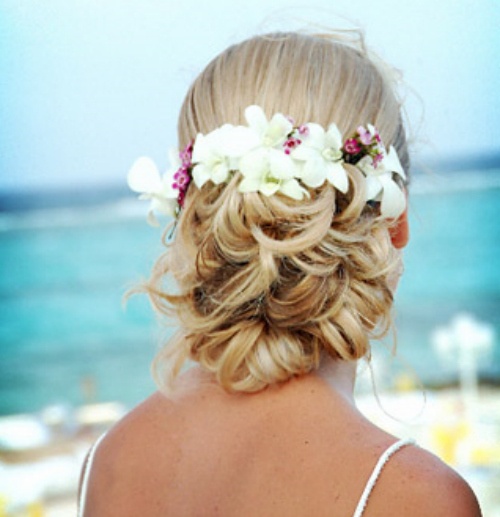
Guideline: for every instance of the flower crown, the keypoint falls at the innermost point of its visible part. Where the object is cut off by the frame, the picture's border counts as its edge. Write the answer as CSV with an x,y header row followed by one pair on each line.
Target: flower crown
x,y
273,156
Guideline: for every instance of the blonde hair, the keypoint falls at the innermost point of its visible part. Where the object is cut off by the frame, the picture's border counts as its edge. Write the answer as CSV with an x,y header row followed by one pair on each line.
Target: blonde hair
x,y
266,285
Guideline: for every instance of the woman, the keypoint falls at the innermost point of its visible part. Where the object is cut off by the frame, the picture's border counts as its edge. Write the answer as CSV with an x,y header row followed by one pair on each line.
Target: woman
x,y
290,202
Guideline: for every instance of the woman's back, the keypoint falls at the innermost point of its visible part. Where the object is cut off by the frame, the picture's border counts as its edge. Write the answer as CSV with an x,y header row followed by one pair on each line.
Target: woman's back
x,y
300,449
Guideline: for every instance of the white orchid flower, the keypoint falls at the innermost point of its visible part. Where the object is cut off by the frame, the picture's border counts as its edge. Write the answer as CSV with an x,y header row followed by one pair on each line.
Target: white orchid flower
x,y
379,183
321,157
268,174
144,178
268,153
216,154
271,133
266,168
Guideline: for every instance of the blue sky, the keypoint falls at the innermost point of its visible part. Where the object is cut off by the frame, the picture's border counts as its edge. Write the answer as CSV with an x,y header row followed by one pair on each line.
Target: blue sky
x,y
86,86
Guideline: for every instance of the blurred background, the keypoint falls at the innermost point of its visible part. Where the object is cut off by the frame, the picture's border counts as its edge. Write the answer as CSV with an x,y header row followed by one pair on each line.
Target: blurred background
x,y
87,86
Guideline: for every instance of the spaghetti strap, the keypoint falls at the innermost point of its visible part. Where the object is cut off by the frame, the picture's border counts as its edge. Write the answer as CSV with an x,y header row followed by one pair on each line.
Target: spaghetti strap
x,y
376,473
86,476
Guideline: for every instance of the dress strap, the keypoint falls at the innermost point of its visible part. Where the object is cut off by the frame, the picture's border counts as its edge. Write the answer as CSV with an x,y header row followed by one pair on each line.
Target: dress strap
x,y
86,475
376,473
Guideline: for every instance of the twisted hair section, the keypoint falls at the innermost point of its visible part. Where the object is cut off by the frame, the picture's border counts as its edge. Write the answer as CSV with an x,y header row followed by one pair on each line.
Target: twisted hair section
x,y
266,285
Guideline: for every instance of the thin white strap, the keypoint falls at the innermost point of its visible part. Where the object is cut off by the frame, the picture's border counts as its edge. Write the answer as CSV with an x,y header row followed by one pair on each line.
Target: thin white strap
x,y
86,476
376,473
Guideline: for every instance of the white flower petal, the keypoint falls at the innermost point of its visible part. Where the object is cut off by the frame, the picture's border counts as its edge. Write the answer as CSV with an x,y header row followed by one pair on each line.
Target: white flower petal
x,y
201,174
373,187
277,131
292,188
255,163
249,184
168,191
235,141
337,176
207,150
391,162
164,206
174,159
219,173
256,119
313,173
201,149
303,153
270,133
315,137
333,137
144,176
214,154
268,188
281,165
365,165
393,202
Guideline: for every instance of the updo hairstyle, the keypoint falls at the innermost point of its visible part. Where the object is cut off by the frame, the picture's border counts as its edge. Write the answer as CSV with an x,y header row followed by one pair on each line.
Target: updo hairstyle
x,y
265,286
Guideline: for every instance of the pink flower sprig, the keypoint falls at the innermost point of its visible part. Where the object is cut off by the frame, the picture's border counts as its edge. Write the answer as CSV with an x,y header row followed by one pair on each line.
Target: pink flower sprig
x,y
293,140
186,155
291,143
303,130
352,146
365,142
182,178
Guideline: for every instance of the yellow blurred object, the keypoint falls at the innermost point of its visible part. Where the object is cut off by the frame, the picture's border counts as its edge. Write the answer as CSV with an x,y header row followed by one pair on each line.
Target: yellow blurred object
x,y
3,506
486,455
446,437
36,510
405,382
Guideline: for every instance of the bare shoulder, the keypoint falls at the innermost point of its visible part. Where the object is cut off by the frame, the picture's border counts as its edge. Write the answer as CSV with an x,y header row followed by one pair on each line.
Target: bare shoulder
x,y
133,436
417,483
128,458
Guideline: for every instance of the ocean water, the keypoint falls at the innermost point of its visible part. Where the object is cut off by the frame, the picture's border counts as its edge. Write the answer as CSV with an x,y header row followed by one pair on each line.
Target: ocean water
x,y
65,337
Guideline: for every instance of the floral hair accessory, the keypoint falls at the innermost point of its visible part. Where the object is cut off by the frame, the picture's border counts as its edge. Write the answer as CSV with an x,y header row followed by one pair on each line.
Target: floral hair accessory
x,y
273,156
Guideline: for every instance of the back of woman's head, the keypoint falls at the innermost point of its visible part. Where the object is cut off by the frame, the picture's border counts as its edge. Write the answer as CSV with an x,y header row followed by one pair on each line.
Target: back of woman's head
x,y
267,284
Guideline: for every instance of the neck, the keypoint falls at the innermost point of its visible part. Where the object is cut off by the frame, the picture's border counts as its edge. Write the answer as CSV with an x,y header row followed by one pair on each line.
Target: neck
x,y
339,375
